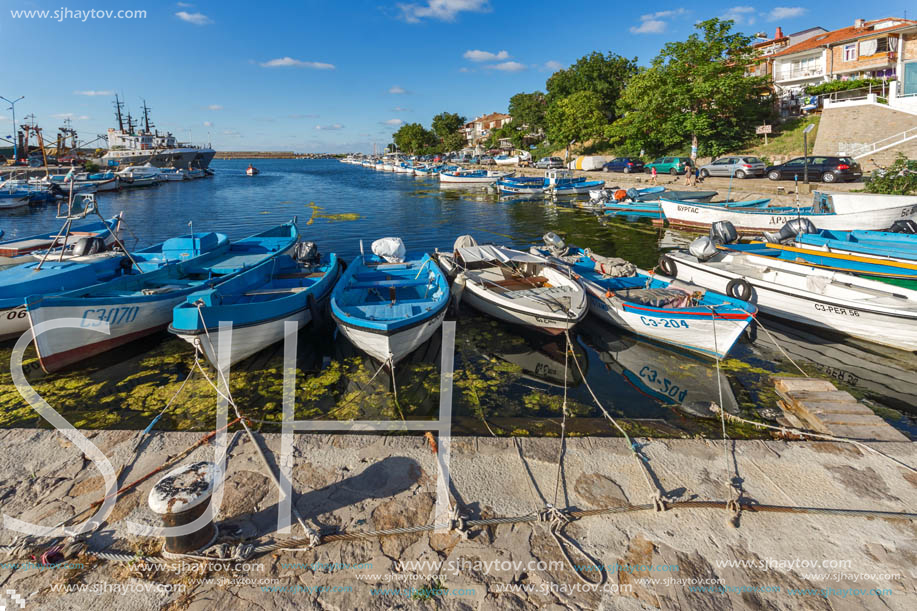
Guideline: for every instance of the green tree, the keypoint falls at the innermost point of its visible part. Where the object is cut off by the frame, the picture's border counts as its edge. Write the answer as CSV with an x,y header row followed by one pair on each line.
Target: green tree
x,y
604,75
696,91
511,131
446,126
528,110
578,117
414,138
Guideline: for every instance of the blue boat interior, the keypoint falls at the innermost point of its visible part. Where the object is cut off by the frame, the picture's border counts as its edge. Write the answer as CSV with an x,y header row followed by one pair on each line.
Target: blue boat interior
x,y
391,294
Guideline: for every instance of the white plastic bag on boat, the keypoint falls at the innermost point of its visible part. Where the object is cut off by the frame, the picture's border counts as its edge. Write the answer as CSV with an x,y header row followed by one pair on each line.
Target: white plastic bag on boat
x,y
390,249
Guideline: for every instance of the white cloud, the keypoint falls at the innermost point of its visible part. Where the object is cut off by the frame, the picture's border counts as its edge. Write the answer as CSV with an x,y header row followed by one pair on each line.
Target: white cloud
x,y
284,62
396,90
741,15
786,12
477,55
464,69
508,66
195,18
208,124
553,65
444,10
401,109
70,115
215,107
93,93
654,23
184,4
393,122
232,132
332,127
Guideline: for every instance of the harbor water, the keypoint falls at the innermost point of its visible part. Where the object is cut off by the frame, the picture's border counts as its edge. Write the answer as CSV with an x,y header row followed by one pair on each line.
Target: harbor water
x,y
507,382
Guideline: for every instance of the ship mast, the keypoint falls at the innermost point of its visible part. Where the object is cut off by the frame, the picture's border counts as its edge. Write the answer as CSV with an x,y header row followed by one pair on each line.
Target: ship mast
x,y
146,117
118,105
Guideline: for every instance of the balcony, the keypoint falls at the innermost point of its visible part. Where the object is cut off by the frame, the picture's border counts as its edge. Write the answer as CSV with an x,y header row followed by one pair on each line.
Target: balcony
x,y
797,75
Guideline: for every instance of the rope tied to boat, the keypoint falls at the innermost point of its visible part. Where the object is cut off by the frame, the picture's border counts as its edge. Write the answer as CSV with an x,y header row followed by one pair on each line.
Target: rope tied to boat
x,y
779,347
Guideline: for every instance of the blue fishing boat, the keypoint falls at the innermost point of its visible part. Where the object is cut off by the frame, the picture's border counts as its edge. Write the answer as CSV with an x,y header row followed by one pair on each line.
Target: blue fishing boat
x,y
259,302
91,238
79,270
651,208
136,305
390,302
876,243
673,313
556,182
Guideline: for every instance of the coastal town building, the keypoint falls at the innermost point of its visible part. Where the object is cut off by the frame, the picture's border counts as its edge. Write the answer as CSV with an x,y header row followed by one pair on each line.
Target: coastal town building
x,y
481,127
768,47
882,48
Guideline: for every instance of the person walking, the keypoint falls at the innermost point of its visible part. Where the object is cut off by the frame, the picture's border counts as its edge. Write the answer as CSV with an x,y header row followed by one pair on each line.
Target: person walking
x,y
689,173
653,175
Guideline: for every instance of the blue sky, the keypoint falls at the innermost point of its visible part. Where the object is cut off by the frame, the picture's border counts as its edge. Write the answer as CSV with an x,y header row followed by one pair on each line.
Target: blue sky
x,y
317,75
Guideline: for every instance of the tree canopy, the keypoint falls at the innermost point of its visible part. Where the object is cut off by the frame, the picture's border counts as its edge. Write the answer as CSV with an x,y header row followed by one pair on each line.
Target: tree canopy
x,y
604,75
695,91
414,138
579,117
446,126
528,109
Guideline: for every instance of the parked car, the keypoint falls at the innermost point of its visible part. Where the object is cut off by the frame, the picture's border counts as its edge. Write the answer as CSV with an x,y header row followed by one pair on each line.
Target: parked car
x,y
550,163
487,160
826,169
624,164
668,165
740,167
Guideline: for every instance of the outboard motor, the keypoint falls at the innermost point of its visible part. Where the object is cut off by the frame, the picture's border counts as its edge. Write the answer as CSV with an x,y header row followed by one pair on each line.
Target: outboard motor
x,y
723,232
904,226
307,252
790,230
555,244
705,247
88,246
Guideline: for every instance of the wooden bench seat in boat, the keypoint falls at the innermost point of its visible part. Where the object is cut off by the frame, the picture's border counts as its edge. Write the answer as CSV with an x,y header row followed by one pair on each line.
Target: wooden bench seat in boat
x,y
519,284
299,275
15,249
382,284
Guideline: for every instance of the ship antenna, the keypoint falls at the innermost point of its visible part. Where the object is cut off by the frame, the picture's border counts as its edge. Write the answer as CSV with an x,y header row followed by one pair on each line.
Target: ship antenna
x,y
118,105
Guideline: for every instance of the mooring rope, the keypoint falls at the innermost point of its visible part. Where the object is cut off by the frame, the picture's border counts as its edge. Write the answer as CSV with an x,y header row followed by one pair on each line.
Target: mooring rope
x,y
779,347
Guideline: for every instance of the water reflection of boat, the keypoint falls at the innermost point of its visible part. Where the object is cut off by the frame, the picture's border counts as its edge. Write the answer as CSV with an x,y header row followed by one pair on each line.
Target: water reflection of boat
x,y
885,375
673,378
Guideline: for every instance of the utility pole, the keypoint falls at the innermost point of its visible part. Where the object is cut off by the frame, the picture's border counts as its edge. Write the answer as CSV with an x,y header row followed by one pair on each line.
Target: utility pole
x,y
15,138
805,152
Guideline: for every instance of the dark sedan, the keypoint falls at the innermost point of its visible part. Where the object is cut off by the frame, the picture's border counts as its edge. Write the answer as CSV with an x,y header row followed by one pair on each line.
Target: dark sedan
x,y
825,169
624,164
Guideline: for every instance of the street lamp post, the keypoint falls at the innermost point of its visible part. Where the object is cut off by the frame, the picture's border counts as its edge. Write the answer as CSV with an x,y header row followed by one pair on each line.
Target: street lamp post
x,y
805,152
15,139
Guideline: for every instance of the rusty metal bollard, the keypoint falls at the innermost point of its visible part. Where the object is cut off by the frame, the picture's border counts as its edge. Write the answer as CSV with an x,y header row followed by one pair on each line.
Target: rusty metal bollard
x,y
180,498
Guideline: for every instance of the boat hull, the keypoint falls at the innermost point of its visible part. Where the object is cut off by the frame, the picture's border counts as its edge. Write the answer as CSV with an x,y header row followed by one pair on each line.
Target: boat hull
x,y
850,317
395,345
700,216
246,339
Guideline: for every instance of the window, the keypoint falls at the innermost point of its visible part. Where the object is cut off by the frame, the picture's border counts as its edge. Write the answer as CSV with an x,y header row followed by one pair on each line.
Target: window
x,y
850,53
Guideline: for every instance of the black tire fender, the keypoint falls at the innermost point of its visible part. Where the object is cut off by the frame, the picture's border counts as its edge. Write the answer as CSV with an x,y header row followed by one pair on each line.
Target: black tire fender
x,y
738,288
667,265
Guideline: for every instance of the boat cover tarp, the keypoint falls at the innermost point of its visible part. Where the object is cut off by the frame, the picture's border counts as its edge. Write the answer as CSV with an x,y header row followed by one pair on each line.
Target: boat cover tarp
x,y
489,252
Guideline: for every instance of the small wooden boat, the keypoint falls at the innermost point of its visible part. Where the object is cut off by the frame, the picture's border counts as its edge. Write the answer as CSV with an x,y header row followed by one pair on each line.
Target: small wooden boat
x,y
479,177
21,250
252,170
833,211
86,266
882,244
138,305
174,175
506,159
259,302
848,304
513,286
673,313
389,304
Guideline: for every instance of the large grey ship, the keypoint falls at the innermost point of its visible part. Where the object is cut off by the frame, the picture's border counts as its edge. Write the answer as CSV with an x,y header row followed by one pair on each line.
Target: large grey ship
x,y
138,143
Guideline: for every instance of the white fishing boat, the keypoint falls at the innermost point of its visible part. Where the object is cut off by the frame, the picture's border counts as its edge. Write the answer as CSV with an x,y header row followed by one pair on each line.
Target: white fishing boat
x,y
506,160
855,306
833,211
515,287
252,170
473,177
174,174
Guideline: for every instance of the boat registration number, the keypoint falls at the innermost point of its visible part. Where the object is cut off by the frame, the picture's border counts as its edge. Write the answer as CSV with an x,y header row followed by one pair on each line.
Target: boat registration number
x,y
663,384
19,312
113,316
830,309
665,323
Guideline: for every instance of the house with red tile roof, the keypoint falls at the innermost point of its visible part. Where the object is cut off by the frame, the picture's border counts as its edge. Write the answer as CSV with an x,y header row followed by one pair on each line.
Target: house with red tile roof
x,y
766,47
481,127
881,48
